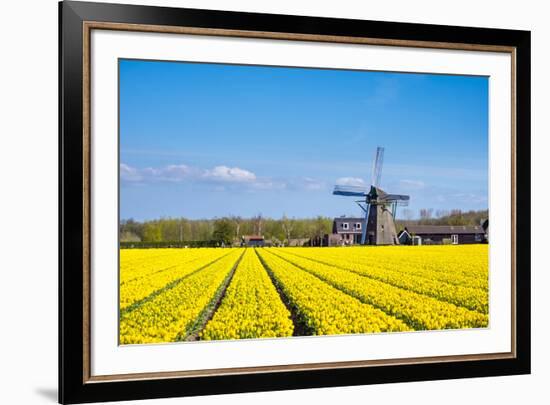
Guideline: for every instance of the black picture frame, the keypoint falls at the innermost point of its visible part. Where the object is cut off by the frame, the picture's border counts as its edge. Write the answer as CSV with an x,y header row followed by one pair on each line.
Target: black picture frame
x,y
74,387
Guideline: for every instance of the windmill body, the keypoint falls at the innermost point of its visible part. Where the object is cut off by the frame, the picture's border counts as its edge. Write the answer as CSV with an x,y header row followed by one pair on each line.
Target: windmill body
x,y
380,228
378,206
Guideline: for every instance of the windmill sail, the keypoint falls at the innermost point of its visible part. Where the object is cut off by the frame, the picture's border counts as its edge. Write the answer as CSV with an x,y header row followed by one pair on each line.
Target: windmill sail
x,y
377,166
399,199
353,191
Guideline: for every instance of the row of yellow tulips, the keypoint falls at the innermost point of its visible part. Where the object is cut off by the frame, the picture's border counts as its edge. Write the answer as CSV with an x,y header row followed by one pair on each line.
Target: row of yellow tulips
x,y
251,307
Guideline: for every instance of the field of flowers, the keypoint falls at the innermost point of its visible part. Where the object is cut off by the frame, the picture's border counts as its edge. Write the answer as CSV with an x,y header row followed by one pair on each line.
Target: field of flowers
x,y
169,295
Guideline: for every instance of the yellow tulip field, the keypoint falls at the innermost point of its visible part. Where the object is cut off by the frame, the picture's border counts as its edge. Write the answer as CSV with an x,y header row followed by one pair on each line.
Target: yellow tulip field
x,y
170,295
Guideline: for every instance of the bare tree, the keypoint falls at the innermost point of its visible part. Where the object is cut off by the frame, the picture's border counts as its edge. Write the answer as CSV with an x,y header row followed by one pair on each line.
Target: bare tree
x,y
426,214
238,221
258,224
288,225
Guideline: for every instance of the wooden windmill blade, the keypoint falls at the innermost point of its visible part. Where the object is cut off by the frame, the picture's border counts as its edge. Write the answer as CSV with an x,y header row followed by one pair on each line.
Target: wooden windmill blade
x,y
350,191
397,197
400,199
377,166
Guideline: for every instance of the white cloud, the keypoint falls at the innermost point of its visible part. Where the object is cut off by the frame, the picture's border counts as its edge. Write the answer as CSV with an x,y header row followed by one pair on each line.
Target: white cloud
x,y
173,173
177,170
229,174
351,181
219,177
128,173
179,173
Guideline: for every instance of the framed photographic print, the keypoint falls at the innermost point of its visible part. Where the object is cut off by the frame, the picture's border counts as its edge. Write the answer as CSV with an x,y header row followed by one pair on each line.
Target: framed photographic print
x,y
255,202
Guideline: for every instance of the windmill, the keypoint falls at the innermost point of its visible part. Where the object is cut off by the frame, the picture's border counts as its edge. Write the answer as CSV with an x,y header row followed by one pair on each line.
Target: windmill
x,y
379,207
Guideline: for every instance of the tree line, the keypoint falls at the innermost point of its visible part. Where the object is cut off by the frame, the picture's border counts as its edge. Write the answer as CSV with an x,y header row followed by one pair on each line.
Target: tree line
x,y
231,229
428,216
226,229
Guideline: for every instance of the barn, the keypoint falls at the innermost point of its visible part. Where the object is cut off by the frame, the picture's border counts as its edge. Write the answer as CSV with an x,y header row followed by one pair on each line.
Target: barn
x,y
253,241
439,234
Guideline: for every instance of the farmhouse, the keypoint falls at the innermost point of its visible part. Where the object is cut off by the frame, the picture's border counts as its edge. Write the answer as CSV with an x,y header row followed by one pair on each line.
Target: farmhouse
x,y
346,231
439,234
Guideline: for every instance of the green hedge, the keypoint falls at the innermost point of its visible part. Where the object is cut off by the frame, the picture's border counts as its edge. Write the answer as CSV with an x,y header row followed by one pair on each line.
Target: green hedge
x,y
169,244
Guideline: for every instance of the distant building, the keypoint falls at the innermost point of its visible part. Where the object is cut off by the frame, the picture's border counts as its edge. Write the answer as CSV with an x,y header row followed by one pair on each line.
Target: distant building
x,y
439,234
299,242
346,231
253,241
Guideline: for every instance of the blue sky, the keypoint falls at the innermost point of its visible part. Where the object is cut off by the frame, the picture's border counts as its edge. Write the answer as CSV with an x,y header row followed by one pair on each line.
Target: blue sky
x,y
209,140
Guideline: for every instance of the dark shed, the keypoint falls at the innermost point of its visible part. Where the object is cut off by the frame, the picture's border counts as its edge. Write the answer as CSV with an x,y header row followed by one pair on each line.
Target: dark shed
x,y
455,234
